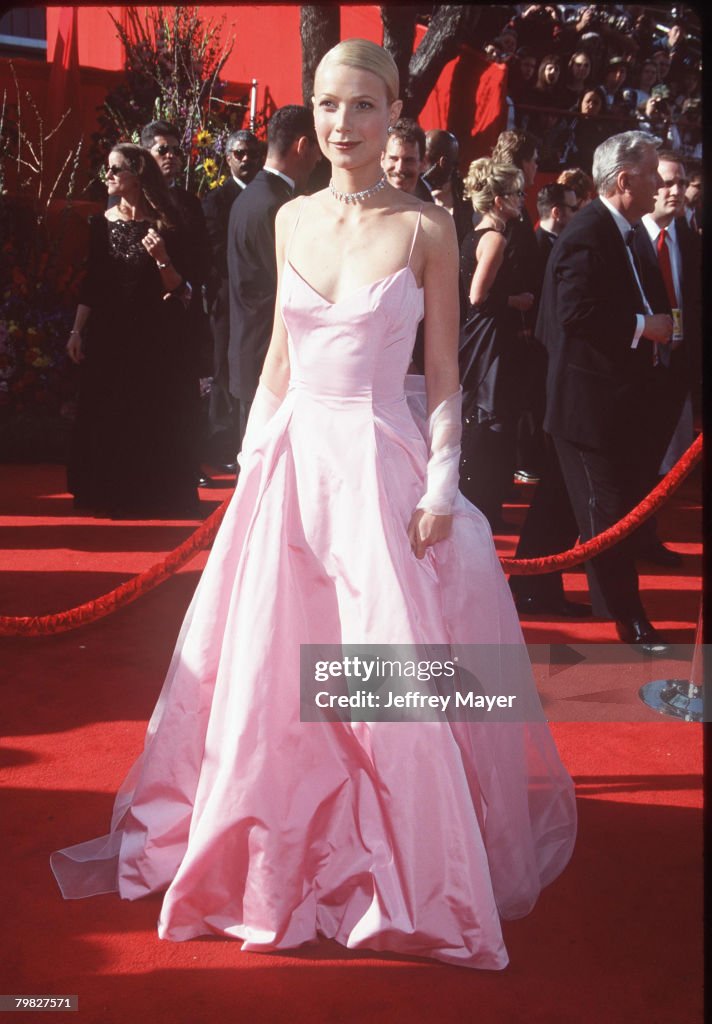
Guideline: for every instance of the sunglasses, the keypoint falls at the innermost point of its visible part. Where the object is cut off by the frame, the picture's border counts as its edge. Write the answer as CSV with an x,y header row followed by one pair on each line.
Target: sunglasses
x,y
165,150
113,171
244,154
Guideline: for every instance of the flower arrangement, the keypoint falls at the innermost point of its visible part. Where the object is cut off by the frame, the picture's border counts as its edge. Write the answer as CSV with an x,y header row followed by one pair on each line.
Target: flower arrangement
x,y
38,294
173,65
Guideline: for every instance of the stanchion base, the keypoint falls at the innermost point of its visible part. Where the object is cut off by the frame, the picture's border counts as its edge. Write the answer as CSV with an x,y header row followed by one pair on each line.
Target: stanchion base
x,y
677,698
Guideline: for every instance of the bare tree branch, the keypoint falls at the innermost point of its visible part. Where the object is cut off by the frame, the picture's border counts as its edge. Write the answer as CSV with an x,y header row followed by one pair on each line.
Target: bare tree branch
x,y
450,25
320,29
399,36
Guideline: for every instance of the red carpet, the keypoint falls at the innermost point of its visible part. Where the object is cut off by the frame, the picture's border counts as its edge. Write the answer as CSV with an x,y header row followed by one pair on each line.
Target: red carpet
x,y
616,939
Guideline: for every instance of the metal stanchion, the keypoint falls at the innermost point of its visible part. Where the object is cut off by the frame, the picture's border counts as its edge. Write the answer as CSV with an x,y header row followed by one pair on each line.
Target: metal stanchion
x,y
679,698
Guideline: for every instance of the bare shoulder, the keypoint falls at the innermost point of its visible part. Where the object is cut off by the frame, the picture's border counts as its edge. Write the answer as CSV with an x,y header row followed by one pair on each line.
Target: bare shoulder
x,y
438,227
288,213
490,243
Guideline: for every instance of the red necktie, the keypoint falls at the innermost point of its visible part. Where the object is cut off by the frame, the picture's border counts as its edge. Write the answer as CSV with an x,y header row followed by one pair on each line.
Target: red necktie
x,y
666,268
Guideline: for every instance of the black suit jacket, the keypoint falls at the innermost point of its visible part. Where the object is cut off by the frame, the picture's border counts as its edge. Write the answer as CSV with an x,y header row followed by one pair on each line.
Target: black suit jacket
x,y
545,243
252,270
216,209
597,385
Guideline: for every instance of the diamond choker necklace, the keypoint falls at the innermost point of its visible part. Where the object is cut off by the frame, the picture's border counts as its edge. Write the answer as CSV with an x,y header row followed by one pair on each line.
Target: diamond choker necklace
x,y
357,197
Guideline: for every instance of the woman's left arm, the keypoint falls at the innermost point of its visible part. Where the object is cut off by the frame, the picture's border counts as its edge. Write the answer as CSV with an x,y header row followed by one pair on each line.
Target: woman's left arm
x,y
442,305
432,521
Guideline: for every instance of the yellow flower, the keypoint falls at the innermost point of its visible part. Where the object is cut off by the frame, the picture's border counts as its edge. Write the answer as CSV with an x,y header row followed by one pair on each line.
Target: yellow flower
x,y
210,167
203,138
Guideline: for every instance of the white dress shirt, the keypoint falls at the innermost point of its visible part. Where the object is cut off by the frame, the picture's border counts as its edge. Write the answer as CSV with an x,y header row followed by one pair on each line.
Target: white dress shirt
x,y
654,230
625,228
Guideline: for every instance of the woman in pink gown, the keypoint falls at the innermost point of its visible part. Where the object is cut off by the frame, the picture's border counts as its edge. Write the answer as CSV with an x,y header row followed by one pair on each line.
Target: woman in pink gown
x,y
346,527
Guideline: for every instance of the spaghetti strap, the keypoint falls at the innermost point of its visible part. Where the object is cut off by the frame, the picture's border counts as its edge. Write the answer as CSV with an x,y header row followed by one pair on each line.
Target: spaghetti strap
x,y
294,228
415,235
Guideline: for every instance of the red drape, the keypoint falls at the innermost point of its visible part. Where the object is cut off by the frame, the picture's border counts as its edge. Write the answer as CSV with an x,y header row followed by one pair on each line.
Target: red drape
x,y
63,94
477,111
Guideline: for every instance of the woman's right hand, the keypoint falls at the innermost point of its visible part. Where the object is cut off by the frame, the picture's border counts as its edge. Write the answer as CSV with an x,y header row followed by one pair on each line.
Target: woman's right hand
x,y
75,349
523,302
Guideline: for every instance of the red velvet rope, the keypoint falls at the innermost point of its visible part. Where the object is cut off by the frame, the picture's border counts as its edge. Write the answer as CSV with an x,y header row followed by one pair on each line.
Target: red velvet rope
x,y
90,611
625,526
45,625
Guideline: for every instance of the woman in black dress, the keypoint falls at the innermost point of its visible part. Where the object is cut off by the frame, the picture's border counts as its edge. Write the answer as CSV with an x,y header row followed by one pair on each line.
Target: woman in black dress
x,y
132,452
491,346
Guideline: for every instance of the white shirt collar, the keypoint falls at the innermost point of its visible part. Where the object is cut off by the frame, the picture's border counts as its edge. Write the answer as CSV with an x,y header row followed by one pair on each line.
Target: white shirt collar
x,y
238,182
654,229
284,177
621,223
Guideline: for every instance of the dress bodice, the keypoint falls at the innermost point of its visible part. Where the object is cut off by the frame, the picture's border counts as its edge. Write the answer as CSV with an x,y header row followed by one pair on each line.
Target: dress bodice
x,y
358,347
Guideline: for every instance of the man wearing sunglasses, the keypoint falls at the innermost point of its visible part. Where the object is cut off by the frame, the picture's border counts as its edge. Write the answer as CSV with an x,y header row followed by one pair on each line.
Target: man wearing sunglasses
x,y
244,157
162,139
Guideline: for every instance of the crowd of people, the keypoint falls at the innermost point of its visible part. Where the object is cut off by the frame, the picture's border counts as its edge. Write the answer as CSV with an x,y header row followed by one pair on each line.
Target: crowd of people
x,y
179,291
577,76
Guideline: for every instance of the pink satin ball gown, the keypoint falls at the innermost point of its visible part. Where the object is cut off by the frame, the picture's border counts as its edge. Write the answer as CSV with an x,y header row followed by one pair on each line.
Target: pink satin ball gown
x,y
413,837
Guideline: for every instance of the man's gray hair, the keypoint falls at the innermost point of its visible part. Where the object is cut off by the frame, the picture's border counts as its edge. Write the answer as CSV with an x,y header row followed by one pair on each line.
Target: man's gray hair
x,y
241,135
622,152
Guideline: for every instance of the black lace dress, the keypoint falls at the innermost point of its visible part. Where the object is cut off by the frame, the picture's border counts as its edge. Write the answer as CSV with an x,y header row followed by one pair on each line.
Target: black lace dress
x,y
133,450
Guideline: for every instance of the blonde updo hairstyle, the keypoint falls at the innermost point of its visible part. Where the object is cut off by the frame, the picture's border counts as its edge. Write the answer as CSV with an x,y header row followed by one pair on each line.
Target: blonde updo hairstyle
x,y
487,179
366,56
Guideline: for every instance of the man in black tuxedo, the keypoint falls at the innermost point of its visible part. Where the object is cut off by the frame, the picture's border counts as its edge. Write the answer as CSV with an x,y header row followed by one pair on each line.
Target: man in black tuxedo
x,y
668,252
555,205
600,334
550,525
162,139
442,152
243,154
292,154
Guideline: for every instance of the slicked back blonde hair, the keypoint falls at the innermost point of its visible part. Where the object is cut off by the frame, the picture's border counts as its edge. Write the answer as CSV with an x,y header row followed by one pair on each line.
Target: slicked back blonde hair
x,y
367,56
487,179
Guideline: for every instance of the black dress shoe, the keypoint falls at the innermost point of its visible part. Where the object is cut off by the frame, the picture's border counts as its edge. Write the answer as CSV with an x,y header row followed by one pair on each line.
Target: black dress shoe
x,y
229,467
642,634
207,481
559,607
658,554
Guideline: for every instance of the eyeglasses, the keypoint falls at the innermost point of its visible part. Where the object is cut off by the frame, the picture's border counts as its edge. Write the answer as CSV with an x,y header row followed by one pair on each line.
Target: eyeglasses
x,y
164,150
112,172
244,154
